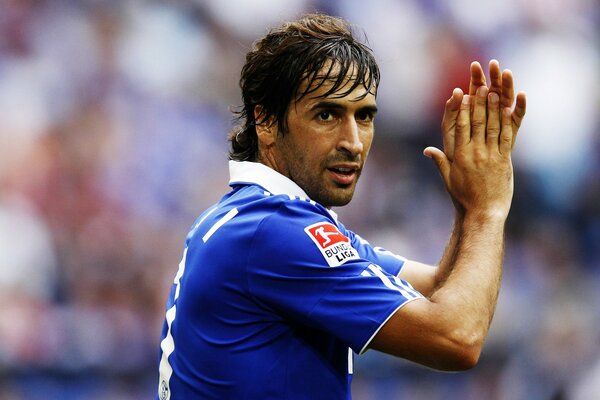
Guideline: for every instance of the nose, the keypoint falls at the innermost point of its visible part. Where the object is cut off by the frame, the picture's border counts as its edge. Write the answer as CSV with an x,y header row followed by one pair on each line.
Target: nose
x,y
350,138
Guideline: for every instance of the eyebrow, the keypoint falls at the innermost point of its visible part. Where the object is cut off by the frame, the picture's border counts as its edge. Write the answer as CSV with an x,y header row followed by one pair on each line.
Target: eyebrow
x,y
337,106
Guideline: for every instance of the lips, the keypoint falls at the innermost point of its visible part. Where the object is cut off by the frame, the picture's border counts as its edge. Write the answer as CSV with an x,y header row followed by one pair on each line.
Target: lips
x,y
343,174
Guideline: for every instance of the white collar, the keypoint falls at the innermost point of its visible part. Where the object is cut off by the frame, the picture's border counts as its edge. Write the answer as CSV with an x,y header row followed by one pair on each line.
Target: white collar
x,y
260,174
275,183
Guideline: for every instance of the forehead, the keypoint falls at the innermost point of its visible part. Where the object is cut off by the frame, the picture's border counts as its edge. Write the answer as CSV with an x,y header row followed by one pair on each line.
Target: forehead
x,y
335,82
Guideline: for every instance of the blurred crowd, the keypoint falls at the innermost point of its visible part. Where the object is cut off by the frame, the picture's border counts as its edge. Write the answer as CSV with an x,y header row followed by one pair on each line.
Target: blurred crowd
x,y
113,123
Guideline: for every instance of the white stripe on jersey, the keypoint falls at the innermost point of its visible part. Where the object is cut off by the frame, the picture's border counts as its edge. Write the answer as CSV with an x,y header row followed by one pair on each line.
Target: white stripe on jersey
x,y
167,346
179,274
399,285
232,213
407,285
350,361
197,224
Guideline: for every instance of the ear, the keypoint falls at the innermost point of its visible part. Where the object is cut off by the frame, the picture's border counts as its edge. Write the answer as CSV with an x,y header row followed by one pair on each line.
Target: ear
x,y
265,130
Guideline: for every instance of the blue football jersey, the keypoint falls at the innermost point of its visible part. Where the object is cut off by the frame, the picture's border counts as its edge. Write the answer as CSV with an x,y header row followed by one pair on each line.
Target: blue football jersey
x,y
272,297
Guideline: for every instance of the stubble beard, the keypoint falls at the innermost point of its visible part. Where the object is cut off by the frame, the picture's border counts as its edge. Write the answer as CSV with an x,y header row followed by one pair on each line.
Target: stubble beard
x,y
328,194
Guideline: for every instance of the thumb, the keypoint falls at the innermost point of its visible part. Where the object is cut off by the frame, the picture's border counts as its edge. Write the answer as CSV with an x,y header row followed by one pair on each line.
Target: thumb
x,y
441,161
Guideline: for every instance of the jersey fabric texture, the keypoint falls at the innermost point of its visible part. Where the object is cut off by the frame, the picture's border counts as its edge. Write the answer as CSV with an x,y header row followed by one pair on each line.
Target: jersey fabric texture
x,y
272,297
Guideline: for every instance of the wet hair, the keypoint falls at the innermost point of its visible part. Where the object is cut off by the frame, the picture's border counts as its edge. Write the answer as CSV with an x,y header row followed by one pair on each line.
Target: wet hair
x,y
314,49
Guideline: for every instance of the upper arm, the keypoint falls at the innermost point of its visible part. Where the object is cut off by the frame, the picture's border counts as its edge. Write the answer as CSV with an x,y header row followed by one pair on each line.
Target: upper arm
x,y
422,332
420,276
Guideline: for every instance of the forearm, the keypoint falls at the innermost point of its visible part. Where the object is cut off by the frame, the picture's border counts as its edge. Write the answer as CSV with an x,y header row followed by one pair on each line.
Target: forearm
x,y
469,292
446,263
448,330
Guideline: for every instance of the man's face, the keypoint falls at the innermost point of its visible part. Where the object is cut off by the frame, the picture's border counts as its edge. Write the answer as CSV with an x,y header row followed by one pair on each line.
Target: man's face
x,y
327,142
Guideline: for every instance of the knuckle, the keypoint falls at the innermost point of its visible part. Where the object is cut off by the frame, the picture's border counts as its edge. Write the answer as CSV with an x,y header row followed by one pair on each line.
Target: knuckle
x,y
478,123
506,139
479,154
493,130
462,125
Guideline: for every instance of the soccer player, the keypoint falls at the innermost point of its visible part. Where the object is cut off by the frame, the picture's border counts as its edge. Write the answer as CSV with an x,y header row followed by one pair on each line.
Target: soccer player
x,y
274,295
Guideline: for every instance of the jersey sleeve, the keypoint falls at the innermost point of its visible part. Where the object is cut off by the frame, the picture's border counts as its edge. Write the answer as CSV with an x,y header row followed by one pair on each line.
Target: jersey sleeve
x,y
388,261
306,268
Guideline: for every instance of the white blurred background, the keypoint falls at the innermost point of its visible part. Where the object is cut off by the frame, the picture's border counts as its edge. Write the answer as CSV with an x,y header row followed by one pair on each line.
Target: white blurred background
x,y
113,122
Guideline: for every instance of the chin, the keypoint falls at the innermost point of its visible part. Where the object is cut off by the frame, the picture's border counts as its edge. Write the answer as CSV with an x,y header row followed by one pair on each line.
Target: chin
x,y
338,200
331,195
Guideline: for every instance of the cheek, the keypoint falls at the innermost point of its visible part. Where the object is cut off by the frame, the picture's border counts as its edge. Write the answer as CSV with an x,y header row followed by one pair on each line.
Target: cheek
x,y
367,141
307,160
298,157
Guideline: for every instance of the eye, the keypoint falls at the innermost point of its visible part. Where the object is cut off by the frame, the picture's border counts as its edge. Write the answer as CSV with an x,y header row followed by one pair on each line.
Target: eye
x,y
325,116
366,116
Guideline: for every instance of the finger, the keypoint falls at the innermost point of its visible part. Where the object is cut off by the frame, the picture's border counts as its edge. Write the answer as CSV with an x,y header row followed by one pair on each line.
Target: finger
x,y
462,136
479,118
506,134
493,120
495,77
518,113
508,89
441,161
449,121
477,78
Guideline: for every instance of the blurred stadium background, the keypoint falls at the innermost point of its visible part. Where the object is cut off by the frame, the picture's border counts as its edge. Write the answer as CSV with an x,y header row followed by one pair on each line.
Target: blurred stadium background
x,y
113,118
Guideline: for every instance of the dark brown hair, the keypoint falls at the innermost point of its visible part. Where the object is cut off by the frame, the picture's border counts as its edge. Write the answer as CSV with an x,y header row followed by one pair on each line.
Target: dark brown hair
x,y
316,48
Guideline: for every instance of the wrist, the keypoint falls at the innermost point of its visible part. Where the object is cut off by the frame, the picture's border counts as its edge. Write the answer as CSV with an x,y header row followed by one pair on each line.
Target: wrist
x,y
487,216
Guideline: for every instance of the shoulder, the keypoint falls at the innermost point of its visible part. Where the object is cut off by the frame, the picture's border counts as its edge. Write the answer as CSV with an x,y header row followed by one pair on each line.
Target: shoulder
x,y
302,230
249,209
253,200
292,214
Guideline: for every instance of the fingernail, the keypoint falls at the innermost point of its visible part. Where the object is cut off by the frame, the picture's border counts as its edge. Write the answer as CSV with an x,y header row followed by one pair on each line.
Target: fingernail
x,y
494,98
465,99
482,91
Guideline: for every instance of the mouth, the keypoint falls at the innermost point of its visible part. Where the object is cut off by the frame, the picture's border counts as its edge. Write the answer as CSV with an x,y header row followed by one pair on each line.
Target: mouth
x,y
344,174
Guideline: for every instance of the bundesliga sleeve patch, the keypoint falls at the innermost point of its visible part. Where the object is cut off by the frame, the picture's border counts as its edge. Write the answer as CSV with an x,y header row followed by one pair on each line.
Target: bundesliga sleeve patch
x,y
334,246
